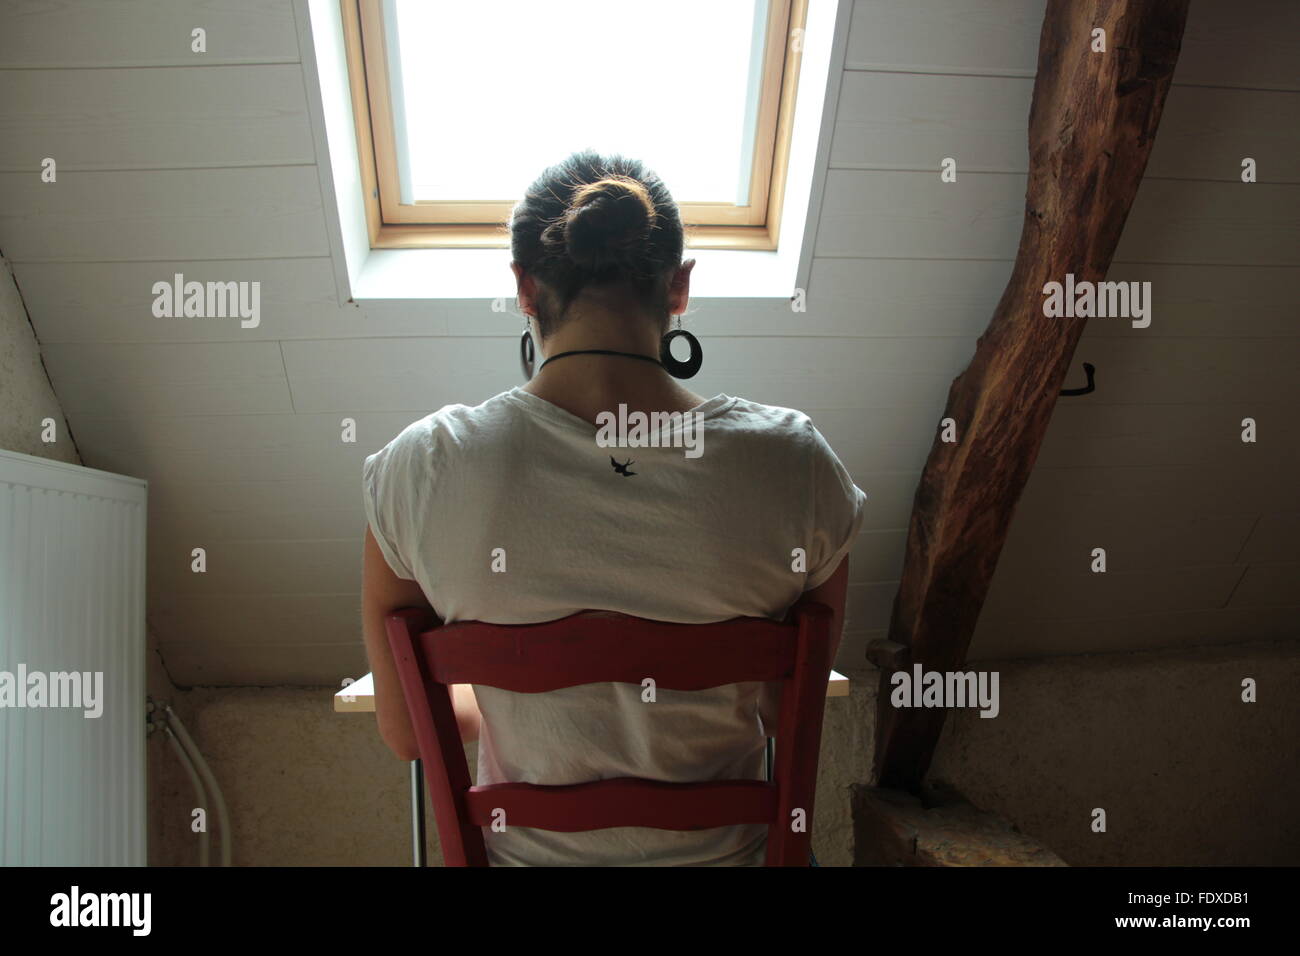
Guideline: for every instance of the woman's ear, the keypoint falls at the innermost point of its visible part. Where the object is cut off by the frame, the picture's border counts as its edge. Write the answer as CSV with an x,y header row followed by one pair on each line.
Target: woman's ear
x,y
526,288
679,288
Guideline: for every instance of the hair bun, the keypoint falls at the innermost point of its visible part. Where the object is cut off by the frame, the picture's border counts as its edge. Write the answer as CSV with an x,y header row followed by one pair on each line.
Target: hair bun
x,y
606,223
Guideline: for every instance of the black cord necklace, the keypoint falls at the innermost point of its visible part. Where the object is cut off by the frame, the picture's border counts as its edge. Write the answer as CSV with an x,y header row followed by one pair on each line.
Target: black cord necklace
x,y
645,358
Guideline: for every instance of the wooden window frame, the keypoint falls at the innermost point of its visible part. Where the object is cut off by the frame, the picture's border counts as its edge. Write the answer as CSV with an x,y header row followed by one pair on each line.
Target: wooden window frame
x,y
479,225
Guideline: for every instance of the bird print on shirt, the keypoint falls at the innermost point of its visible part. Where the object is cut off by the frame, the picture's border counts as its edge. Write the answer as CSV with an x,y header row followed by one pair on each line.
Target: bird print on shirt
x,y
622,469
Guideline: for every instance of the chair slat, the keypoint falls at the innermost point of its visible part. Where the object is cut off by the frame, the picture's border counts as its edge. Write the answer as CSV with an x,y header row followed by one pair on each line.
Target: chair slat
x,y
623,802
591,647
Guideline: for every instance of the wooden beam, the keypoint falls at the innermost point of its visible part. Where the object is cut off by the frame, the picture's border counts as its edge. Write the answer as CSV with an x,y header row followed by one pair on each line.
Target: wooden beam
x,y
1092,123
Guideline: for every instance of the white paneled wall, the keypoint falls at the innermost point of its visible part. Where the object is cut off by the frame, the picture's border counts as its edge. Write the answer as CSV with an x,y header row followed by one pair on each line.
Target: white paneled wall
x,y
204,165
72,592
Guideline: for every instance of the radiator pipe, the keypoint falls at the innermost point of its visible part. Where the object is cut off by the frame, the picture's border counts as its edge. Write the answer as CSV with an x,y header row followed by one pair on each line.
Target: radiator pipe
x,y
205,836
218,801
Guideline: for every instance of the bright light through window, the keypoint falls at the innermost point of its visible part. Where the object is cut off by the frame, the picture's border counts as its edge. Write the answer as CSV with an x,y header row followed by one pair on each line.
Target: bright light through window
x,y
673,83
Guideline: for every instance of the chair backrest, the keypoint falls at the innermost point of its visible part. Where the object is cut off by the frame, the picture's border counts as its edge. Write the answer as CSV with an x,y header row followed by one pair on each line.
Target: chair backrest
x,y
603,646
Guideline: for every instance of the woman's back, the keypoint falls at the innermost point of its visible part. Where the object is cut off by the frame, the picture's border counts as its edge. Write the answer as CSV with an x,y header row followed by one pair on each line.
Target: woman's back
x,y
512,512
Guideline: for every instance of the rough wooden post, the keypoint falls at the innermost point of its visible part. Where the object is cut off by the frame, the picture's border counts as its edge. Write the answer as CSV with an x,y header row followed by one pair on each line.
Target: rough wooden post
x,y
1091,127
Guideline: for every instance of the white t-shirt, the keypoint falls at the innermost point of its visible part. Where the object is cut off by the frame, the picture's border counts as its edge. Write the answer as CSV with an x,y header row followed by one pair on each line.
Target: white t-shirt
x,y
684,539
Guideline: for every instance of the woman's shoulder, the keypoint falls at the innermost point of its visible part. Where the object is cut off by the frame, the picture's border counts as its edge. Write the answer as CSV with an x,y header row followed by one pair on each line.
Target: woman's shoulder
x,y
441,436
781,433
457,422
775,417
774,424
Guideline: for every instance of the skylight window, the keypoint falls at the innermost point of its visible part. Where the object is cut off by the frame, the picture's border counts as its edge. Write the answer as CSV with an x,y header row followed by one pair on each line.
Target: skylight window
x,y
460,106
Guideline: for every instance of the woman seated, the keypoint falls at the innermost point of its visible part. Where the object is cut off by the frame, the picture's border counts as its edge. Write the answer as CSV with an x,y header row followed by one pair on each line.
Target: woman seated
x,y
517,510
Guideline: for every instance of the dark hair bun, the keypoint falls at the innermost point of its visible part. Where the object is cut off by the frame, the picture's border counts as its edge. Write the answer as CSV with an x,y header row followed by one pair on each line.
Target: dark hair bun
x,y
594,220
606,224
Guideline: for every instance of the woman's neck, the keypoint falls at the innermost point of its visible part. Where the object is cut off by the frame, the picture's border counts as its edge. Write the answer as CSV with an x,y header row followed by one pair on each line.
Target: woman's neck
x,y
585,385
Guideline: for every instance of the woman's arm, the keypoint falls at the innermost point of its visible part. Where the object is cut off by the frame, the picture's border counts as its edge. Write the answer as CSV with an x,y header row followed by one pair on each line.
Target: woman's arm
x,y
383,592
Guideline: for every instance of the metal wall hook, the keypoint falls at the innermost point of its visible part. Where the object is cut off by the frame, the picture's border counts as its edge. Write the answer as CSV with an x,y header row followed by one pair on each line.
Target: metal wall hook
x,y
1088,369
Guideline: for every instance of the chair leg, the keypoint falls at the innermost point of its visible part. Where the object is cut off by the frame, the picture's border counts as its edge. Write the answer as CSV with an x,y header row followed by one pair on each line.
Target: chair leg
x,y
417,813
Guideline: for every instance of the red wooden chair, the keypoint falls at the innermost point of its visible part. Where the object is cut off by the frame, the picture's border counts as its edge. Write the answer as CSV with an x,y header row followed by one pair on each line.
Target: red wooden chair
x,y
604,646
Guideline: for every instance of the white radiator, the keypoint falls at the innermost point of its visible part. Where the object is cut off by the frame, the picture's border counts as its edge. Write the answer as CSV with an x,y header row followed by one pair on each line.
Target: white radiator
x,y
72,592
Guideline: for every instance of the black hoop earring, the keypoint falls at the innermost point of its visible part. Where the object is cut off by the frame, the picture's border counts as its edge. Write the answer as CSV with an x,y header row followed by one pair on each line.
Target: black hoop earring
x,y
675,367
526,354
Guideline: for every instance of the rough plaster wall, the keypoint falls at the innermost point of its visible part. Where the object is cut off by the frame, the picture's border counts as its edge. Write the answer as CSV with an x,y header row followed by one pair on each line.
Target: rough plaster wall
x,y
26,396
1187,774
306,786
848,744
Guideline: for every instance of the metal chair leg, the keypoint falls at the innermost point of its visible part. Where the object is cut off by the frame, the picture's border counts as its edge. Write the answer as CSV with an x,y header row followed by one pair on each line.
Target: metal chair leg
x,y
417,813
